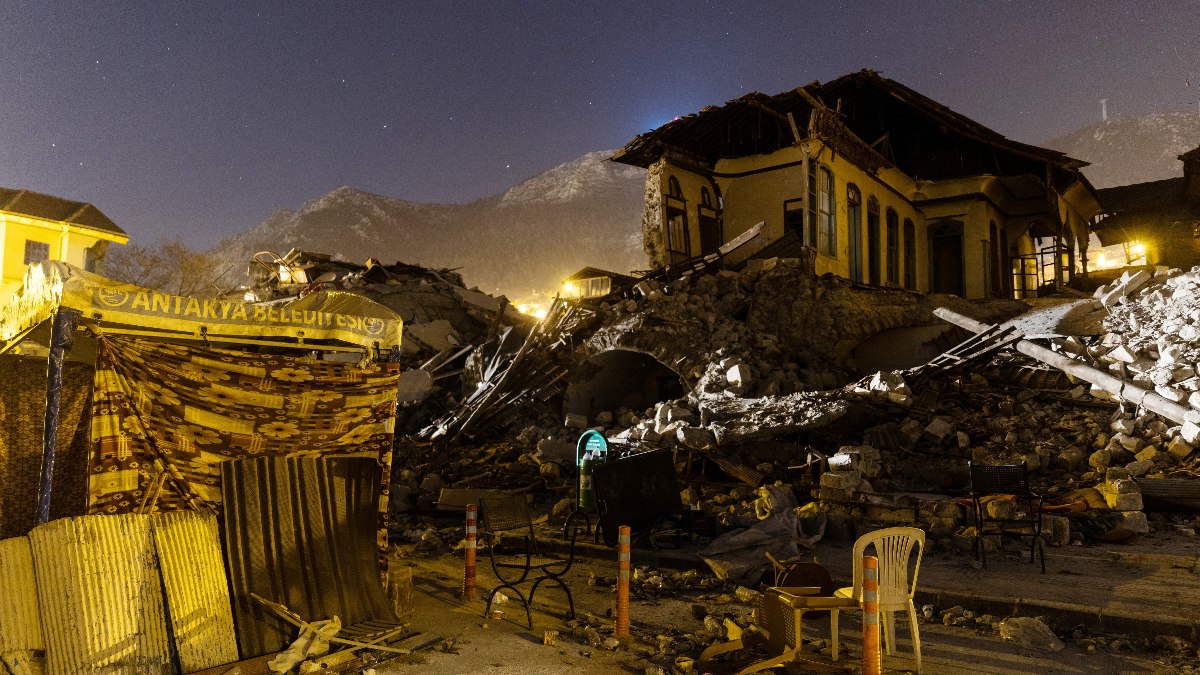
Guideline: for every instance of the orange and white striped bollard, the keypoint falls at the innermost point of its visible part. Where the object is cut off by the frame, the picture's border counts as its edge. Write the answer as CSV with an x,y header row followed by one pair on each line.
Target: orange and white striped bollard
x,y
622,627
872,657
469,590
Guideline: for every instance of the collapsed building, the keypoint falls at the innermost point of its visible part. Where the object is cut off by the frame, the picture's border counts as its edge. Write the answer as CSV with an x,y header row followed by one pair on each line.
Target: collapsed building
x,y
887,186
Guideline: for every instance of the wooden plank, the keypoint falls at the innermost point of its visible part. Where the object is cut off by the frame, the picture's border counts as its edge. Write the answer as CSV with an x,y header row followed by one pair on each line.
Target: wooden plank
x,y
254,666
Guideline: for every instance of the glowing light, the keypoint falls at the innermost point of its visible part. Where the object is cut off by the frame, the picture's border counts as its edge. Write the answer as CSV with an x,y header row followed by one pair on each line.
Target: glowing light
x,y
570,289
536,311
1137,250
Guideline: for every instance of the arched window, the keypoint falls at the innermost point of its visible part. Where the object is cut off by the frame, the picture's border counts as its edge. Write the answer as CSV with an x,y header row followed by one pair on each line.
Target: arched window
x,y
854,231
893,247
673,188
910,255
826,214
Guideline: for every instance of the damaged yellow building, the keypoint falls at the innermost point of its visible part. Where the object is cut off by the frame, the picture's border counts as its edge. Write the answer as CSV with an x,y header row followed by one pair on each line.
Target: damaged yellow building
x,y
887,186
37,227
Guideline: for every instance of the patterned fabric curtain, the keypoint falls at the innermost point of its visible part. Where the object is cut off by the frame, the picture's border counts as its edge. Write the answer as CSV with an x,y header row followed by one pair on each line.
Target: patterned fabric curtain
x,y
165,416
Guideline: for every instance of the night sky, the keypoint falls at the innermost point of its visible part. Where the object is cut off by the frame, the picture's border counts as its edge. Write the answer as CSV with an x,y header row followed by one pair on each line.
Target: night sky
x,y
198,119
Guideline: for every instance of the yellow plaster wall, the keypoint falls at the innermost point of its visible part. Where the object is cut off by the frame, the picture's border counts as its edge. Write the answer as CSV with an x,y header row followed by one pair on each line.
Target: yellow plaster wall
x,y
689,184
66,244
753,198
755,188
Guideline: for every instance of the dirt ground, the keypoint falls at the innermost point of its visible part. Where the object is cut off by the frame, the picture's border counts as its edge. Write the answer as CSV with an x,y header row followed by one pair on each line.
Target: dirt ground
x,y
474,644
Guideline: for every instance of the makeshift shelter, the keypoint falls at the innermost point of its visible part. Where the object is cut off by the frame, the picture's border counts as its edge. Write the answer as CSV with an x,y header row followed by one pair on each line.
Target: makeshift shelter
x,y
145,399
147,392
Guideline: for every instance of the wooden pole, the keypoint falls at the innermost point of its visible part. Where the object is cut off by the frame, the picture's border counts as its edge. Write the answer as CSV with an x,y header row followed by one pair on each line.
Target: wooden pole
x,y
1114,385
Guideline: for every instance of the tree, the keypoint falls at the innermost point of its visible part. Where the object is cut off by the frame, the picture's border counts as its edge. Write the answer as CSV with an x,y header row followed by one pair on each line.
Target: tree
x,y
168,266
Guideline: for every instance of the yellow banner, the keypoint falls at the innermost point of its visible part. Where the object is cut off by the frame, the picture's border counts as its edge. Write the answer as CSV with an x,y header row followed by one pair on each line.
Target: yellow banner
x,y
111,302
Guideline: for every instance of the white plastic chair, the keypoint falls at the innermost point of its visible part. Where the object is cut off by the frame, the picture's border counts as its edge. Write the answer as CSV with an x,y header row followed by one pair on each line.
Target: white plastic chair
x,y
893,547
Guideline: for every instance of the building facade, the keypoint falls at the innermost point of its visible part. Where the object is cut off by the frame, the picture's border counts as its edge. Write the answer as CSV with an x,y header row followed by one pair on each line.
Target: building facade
x,y
887,186
37,227
1159,220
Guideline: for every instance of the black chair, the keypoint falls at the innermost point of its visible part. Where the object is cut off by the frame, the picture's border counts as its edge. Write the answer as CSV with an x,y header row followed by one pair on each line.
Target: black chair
x,y
516,558
1006,482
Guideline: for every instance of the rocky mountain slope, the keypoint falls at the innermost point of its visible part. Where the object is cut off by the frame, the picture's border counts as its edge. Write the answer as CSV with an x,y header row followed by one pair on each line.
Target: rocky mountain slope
x,y
1132,149
524,241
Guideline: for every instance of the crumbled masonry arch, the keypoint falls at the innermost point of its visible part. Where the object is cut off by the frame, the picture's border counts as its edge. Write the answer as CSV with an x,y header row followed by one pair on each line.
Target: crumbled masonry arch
x,y
620,378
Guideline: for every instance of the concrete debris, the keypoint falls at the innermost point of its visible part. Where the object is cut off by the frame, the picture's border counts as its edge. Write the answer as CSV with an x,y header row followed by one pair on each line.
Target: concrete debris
x,y
1031,633
741,555
444,322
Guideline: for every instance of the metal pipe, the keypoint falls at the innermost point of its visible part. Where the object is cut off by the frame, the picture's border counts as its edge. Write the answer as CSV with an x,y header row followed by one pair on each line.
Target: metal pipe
x,y
1112,384
62,336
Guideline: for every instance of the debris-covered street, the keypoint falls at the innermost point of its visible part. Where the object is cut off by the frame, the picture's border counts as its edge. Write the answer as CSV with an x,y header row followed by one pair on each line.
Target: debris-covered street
x,y
894,393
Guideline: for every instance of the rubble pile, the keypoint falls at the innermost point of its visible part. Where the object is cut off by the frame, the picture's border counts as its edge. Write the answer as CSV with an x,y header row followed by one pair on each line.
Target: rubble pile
x,y
444,321
1153,341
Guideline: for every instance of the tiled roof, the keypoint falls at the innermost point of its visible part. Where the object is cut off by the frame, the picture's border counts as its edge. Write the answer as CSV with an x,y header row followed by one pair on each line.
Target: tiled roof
x,y
49,207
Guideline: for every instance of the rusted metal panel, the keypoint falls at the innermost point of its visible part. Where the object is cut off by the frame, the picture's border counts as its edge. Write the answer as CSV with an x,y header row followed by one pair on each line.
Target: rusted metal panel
x,y
197,590
100,595
301,531
20,625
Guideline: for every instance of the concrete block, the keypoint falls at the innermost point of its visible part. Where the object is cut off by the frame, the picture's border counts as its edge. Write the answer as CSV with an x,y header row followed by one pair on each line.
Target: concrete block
x,y
1126,501
1123,486
1134,520
1139,468
1179,448
1150,454
1056,530
830,494
1116,473
575,421
695,437
841,480
1125,425
939,429
1190,432
1100,459
1130,443
1000,509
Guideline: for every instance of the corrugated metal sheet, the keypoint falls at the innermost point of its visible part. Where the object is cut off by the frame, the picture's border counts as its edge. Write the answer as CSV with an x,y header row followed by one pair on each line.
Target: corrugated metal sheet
x,y
301,531
20,625
193,574
101,596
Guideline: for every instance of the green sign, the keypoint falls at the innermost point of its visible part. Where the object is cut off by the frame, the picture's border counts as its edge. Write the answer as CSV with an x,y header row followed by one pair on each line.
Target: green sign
x,y
591,442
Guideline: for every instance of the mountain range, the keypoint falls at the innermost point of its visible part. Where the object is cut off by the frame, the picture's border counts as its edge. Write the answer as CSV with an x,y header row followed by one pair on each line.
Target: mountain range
x,y
1133,149
524,242
587,212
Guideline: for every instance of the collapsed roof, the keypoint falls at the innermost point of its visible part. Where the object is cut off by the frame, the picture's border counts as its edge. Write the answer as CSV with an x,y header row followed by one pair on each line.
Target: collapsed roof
x,y
877,121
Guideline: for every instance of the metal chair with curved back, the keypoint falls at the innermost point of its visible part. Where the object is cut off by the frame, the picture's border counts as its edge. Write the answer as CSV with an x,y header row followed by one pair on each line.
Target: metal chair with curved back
x,y
506,519
894,547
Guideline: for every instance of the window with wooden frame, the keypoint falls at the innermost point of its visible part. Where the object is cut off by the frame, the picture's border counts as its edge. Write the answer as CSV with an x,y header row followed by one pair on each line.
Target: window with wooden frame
x,y
910,255
678,240
826,214
874,257
893,247
36,251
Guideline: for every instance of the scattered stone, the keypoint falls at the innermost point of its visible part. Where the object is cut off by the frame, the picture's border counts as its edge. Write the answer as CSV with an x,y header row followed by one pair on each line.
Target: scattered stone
x,y
1031,633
